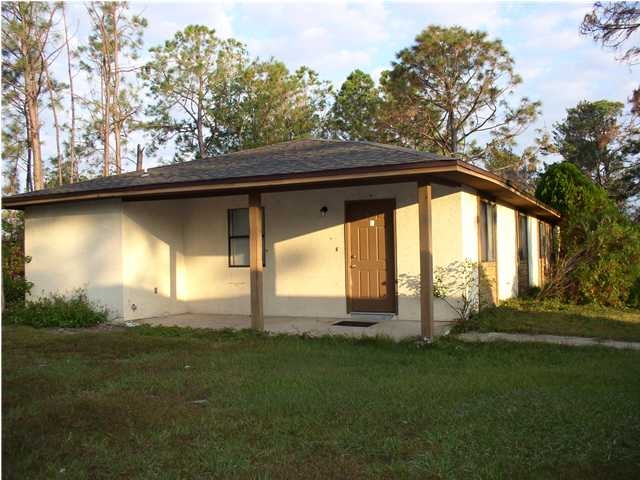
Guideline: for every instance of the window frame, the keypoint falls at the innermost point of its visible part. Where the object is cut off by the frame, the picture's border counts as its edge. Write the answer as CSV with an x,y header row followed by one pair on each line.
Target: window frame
x,y
488,223
231,237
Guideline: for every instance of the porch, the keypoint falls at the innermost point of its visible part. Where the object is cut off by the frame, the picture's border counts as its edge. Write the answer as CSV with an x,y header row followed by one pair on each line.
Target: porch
x,y
380,326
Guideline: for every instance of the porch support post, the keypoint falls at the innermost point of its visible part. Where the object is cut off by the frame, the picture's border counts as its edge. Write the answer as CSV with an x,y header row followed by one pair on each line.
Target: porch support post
x,y
426,259
255,260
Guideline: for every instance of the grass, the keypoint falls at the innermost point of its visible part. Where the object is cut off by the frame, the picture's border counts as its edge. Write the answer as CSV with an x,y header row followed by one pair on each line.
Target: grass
x,y
170,403
534,316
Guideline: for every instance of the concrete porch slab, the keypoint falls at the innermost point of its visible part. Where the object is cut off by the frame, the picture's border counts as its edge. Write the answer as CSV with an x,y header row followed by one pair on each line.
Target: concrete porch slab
x,y
394,329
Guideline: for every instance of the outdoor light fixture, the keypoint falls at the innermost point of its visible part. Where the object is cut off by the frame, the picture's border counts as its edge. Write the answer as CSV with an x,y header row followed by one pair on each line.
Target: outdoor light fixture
x,y
324,211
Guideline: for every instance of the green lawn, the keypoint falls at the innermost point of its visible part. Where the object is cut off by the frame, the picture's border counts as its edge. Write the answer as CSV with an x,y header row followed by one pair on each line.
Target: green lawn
x,y
167,403
534,316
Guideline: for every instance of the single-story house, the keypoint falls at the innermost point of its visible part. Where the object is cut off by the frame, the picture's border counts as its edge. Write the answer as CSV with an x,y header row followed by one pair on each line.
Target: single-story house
x,y
307,228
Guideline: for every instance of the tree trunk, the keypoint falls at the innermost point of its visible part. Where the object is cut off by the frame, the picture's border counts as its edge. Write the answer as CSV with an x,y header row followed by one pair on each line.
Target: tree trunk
x,y
33,118
72,140
29,181
200,131
105,73
105,122
453,132
34,140
56,124
117,114
139,158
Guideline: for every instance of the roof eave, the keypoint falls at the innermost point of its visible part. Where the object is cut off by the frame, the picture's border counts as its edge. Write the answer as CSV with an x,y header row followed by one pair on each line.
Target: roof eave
x,y
244,184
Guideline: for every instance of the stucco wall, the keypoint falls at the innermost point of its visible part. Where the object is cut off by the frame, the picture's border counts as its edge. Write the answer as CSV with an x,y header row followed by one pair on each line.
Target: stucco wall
x,y
153,259
171,256
211,286
305,257
506,252
76,245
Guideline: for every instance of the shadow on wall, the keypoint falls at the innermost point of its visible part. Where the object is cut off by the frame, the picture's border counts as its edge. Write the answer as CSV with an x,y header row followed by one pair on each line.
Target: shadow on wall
x,y
168,237
455,286
488,289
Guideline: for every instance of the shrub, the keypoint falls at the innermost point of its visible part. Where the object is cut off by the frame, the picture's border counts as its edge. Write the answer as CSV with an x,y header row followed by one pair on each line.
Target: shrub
x,y
634,296
57,310
15,289
457,285
599,258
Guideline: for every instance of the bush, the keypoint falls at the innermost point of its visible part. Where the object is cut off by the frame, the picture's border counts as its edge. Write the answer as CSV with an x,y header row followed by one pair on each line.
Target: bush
x,y
599,257
15,289
634,296
56,310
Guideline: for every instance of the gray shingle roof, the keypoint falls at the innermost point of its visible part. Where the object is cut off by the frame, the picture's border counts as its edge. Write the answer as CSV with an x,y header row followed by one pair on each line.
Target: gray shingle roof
x,y
294,157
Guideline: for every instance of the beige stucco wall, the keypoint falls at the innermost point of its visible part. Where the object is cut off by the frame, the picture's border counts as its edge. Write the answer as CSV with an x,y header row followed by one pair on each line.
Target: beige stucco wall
x,y
211,286
154,273
144,259
76,245
305,257
506,252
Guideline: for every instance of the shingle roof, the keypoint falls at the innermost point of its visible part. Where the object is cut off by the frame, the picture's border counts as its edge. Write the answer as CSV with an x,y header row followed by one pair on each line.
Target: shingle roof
x,y
294,163
294,157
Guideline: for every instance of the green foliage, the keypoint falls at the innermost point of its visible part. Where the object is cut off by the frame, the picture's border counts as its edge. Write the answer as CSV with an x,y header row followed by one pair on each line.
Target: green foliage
x,y
14,285
356,108
465,80
604,144
599,247
73,311
209,98
278,105
15,289
567,190
634,295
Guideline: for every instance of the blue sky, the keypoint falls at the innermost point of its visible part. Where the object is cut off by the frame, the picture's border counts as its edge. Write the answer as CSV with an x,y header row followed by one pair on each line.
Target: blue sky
x,y
558,65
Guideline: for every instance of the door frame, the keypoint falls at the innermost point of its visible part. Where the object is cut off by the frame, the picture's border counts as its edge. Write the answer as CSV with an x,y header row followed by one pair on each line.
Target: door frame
x,y
390,258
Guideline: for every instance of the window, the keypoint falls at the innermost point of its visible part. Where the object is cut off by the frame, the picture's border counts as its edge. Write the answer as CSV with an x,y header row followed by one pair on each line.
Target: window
x,y
239,237
523,236
487,231
544,230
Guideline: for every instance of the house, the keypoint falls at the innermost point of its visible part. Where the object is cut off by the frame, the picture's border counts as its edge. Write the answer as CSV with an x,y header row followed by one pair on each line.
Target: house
x,y
307,228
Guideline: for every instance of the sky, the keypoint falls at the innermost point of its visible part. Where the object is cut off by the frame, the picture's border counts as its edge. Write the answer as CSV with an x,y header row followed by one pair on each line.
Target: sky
x,y
559,67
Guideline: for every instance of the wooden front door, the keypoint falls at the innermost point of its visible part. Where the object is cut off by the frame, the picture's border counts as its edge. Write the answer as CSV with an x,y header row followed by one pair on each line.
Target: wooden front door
x,y
371,285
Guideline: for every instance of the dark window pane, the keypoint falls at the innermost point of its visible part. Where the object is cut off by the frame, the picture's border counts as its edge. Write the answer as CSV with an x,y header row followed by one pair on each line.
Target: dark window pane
x,y
239,238
487,232
523,252
239,252
239,222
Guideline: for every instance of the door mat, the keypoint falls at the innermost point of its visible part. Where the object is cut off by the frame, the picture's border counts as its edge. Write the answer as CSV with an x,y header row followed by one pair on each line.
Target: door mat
x,y
354,323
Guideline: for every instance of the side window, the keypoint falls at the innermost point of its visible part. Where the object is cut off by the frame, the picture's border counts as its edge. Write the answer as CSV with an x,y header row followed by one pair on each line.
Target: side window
x,y
544,240
523,236
238,229
487,231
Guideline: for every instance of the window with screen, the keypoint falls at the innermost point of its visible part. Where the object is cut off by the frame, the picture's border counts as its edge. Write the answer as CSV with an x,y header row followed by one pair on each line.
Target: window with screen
x,y
239,237
487,232
523,236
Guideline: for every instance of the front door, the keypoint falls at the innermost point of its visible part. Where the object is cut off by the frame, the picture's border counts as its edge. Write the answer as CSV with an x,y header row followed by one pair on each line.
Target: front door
x,y
370,265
